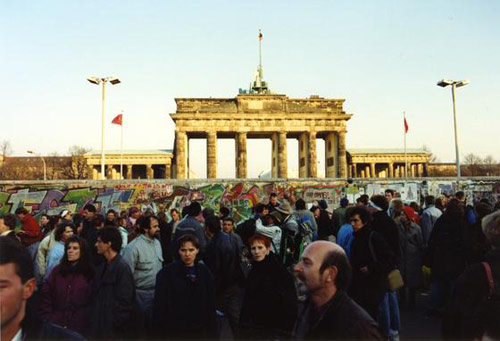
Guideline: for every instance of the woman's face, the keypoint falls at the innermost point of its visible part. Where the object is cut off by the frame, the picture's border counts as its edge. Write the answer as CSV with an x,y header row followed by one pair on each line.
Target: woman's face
x,y
259,250
175,215
73,252
188,253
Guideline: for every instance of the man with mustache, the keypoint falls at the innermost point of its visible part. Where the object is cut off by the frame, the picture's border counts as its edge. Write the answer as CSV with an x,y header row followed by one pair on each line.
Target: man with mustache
x,y
145,258
329,312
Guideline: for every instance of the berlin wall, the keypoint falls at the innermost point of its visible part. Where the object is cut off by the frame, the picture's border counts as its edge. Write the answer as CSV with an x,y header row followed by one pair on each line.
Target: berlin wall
x,y
52,197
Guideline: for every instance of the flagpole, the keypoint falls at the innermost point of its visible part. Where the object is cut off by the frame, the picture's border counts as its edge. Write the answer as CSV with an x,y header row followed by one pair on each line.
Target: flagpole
x,y
121,149
404,132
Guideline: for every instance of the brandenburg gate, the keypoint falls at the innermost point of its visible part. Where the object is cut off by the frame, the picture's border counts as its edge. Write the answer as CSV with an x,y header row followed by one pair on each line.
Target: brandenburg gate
x,y
271,116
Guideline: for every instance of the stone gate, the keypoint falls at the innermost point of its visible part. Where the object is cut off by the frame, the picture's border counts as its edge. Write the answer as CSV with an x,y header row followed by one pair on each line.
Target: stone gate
x,y
275,117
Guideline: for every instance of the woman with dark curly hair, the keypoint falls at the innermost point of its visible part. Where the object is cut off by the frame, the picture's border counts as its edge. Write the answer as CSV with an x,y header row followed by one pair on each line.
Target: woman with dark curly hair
x,y
66,295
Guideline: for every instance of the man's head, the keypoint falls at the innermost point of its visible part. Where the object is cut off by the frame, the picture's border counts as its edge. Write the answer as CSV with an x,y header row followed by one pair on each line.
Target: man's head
x,y
300,204
273,199
111,215
194,209
344,202
324,266
260,209
227,225
362,200
174,213
430,200
460,195
358,217
108,238
389,194
224,212
21,212
7,222
17,283
89,211
207,212
380,201
134,212
212,225
98,221
148,226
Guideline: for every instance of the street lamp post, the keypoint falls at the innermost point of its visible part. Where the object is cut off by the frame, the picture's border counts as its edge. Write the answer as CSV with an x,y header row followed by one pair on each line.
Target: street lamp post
x,y
44,164
103,81
454,84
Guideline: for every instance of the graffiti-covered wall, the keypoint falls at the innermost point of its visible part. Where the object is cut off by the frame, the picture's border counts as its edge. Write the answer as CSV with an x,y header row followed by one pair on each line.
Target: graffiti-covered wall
x,y
53,197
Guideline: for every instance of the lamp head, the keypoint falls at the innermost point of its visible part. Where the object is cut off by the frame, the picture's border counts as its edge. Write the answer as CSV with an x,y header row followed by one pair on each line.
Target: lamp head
x,y
445,82
114,80
94,80
462,82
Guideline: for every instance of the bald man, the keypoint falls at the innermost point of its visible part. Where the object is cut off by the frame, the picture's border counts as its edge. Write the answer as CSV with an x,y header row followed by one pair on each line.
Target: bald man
x,y
329,312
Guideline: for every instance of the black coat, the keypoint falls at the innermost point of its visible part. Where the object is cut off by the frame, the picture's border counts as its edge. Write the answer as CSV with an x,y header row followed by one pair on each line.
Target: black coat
x,y
324,225
387,228
166,240
269,306
223,259
368,289
184,307
36,329
447,248
114,297
463,318
341,318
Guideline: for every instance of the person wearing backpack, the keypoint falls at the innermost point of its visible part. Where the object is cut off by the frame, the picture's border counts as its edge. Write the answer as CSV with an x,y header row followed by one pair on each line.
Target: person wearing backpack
x,y
246,229
474,304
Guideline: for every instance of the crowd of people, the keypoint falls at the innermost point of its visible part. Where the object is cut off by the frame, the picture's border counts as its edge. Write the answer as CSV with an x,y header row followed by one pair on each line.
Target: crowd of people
x,y
287,272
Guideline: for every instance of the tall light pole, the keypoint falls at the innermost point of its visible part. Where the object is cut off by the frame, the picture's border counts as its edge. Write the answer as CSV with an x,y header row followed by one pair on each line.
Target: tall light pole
x,y
454,84
103,81
44,164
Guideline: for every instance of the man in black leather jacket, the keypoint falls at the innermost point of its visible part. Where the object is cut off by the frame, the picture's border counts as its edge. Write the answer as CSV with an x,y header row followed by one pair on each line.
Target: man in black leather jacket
x,y
329,312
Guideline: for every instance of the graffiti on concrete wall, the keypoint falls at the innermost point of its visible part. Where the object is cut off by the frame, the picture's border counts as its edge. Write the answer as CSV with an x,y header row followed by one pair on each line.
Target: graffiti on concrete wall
x,y
240,197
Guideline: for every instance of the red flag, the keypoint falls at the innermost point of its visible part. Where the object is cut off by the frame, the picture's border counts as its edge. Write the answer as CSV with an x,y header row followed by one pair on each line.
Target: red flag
x,y
118,119
406,126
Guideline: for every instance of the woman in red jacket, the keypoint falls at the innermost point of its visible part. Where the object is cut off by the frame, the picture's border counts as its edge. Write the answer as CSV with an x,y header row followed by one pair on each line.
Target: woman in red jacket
x,y
66,295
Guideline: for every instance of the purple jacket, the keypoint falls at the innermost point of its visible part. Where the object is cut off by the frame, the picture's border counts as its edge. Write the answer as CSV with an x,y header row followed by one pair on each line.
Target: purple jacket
x,y
66,300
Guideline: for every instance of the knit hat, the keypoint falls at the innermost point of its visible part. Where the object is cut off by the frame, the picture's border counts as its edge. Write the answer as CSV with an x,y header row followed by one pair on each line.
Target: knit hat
x,y
133,210
410,213
64,213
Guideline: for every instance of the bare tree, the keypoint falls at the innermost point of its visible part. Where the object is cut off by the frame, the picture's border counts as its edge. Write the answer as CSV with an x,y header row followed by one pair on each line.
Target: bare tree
x,y
489,160
433,158
5,148
78,167
473,164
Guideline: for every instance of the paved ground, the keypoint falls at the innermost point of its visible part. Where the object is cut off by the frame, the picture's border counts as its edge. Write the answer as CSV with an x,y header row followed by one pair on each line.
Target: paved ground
x,y
414,325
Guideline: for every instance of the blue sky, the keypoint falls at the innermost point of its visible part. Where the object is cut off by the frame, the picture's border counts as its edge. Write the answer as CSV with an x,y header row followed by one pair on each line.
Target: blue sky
x,y
383,57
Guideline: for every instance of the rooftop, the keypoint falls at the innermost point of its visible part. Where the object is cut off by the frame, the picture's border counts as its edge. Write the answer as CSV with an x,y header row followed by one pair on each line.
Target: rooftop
x,y
387,151
131,152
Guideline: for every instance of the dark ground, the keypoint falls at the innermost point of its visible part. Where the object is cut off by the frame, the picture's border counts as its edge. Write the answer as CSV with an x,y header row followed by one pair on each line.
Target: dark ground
x,y
414,324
